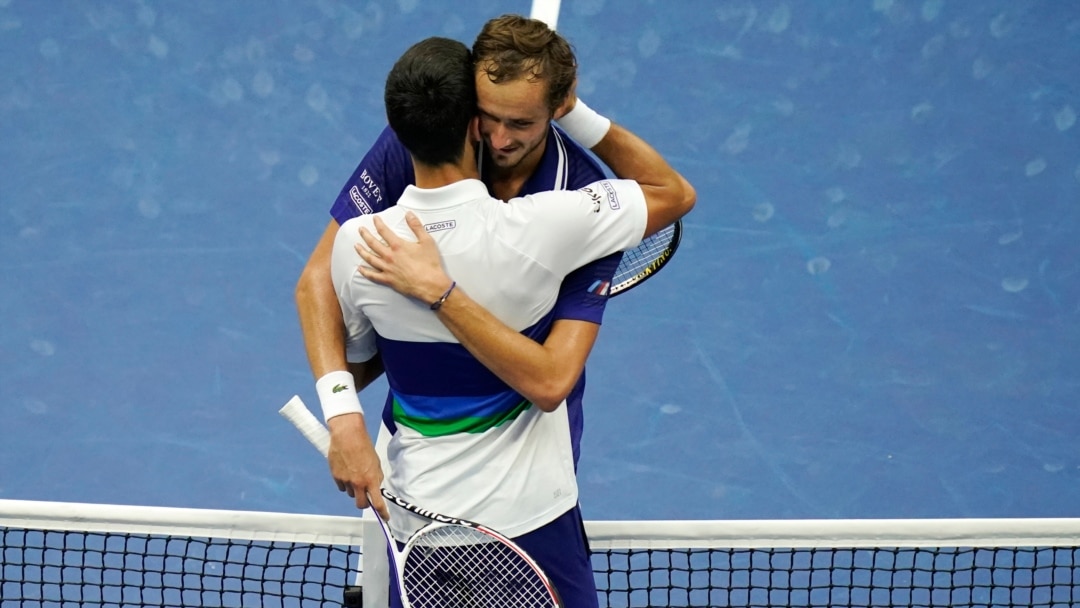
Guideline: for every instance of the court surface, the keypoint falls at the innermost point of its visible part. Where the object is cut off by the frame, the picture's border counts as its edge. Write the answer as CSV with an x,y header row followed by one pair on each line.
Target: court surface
x,y
875,311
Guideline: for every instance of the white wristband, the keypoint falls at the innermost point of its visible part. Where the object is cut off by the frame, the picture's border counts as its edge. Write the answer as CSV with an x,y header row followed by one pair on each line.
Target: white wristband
x,y
584,124
337,395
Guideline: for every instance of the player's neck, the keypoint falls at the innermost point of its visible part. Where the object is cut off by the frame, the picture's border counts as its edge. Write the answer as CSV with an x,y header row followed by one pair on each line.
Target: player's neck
x,y
436,177
429,177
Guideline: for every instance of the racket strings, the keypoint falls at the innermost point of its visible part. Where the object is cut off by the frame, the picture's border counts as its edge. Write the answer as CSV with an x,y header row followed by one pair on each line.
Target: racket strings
x,y
648,252
457,566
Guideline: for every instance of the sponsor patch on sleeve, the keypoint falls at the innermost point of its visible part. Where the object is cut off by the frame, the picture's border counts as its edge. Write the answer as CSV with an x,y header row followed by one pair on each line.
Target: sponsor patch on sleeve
x,y
365,192
592,196
609,194
358,200
612,196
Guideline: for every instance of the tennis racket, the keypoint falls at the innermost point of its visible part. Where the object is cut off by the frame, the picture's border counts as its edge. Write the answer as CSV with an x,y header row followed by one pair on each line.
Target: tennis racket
x,y
645,260
450,562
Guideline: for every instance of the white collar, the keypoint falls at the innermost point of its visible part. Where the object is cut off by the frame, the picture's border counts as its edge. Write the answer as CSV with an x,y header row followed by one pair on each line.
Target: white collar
x,y
444,196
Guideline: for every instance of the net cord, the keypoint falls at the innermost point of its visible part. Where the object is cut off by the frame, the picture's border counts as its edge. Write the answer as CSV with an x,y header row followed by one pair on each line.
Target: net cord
x,y
340,530
848,533
201,523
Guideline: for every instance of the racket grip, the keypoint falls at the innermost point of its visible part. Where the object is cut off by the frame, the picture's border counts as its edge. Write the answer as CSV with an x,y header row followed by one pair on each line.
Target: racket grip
x,y
309,426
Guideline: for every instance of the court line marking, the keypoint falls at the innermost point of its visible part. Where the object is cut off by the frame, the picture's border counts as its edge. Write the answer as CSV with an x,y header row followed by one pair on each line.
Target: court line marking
x,y
546,11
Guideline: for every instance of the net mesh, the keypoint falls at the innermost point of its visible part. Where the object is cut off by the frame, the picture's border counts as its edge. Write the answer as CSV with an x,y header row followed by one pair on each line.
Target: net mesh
x,y
41,568
88,555
835,577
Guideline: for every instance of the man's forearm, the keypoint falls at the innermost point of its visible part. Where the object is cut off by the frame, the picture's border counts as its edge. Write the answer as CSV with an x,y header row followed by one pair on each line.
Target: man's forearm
x,y
542,375
321,321
322,325
628,156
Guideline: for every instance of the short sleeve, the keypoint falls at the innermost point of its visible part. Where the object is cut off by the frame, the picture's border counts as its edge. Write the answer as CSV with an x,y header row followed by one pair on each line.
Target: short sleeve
x,y
579,226
378,181
359,332
584,293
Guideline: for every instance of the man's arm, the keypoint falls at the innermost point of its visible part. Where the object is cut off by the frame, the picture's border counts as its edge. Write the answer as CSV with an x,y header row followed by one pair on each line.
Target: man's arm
x,y
542,373
667,193
321,321
353,462
378,180
376,183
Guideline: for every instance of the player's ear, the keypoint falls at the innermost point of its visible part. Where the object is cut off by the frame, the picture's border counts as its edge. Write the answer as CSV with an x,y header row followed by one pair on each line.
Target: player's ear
x,y
568,102
474,129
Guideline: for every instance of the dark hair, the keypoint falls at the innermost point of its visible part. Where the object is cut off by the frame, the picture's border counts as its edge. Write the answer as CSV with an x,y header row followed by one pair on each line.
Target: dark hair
x,y
512,47
431,98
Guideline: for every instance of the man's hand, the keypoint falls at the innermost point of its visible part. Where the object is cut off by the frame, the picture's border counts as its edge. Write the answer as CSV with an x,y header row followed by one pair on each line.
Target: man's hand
x,y
411,269
354,463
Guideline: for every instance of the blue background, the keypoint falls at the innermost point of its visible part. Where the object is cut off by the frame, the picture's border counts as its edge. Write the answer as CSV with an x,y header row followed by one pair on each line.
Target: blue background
x,y
874,312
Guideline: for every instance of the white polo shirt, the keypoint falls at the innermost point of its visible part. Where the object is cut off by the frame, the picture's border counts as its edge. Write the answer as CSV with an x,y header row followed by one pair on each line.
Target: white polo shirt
x,y
464,443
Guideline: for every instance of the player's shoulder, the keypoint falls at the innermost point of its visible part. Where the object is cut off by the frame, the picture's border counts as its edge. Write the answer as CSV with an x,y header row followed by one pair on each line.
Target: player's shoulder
x,y
386,137
611,189
541,201
350,229
582,167
384,155
567,143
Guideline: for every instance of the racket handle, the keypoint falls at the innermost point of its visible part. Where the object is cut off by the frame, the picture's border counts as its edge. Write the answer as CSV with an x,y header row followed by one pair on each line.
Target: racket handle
x,y
297,413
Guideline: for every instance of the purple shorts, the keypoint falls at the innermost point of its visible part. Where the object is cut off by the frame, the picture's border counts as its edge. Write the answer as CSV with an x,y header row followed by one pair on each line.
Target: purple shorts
x,y
562,551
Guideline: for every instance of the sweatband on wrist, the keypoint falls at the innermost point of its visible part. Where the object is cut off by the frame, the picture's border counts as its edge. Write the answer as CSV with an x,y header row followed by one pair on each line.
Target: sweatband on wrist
x,y
584,124
337,395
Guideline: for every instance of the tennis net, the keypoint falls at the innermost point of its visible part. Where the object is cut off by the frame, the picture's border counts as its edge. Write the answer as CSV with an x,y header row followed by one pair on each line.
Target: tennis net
x,y
67,554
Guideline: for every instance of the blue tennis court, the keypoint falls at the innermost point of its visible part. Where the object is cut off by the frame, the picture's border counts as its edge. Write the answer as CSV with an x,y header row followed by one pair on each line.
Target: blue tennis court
x,y
875,312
